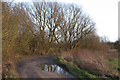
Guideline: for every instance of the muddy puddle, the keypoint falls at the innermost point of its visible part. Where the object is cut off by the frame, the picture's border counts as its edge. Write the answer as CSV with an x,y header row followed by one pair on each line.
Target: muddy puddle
x,y
55,68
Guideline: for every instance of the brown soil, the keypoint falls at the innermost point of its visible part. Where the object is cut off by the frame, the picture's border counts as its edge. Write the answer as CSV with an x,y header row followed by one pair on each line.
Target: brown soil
x,y
29,68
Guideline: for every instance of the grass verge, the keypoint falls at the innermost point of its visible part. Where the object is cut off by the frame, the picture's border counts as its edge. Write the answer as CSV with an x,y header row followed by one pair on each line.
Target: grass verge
x,y
77,72
74,70
113,63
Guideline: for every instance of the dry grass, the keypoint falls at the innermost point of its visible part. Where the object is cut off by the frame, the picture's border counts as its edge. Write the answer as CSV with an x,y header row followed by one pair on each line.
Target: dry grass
x,y
93,61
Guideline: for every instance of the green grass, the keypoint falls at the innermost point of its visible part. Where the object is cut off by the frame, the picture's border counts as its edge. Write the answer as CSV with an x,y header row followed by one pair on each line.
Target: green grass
x,y
19,59
69,59
74,70
113,50
113,63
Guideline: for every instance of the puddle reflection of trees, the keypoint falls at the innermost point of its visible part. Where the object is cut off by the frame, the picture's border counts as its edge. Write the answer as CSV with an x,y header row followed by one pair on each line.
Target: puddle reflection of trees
x,y
54,68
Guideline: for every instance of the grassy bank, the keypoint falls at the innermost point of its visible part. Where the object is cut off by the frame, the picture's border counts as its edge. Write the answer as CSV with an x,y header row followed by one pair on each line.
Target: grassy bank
x,y
74,70
113,63
77,72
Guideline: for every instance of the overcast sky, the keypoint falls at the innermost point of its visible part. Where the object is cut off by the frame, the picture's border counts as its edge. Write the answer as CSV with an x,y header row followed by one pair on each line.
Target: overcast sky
x,y
103,12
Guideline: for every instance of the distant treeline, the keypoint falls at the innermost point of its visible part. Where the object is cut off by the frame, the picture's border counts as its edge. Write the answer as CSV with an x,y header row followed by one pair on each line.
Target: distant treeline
x,y
114,45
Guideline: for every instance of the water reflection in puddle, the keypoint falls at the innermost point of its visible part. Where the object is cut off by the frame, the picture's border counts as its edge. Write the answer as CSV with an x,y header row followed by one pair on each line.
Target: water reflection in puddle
x,y
55,68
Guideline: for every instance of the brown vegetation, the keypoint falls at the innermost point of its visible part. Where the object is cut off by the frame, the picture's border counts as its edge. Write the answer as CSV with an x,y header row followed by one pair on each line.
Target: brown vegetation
x,y
48,28
95,62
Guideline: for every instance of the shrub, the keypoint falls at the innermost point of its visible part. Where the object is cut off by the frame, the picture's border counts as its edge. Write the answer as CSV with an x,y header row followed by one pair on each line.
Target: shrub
x,y
77,62
69,59
93,42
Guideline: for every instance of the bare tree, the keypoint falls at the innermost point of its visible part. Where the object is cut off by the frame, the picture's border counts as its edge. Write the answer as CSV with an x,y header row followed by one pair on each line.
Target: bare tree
x,y
40,26
66,23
